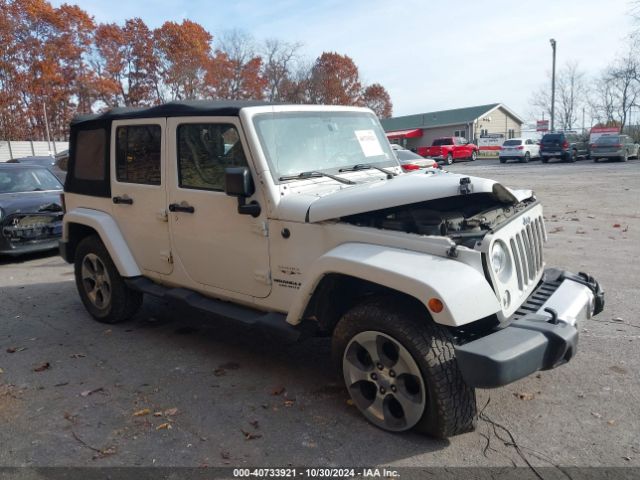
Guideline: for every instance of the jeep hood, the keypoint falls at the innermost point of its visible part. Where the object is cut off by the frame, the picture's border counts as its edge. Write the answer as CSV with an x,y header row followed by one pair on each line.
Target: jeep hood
x,y
317,202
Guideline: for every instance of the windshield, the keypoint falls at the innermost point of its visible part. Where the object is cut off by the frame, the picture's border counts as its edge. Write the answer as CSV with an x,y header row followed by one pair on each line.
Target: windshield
x,y
511,143
296,142
608,140
13,180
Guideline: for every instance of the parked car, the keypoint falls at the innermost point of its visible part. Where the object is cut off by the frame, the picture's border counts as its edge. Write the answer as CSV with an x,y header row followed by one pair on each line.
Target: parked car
x,y
521,149
619,147
429,285
30,209
450,149
43,161
565,146
410,161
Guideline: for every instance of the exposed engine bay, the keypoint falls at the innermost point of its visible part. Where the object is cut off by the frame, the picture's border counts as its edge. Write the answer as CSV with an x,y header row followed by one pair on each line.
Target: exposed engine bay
x,y
463,218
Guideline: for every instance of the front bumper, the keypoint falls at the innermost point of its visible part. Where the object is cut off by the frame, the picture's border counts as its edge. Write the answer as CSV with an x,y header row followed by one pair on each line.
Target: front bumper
x,y
542,335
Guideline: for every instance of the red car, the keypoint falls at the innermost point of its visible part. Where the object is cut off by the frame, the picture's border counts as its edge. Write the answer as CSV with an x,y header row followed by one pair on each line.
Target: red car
x,y
450,149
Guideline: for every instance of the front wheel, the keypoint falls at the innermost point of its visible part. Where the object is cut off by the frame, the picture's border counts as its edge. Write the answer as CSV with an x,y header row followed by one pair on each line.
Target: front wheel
x,y
449,159
102,290
624,157
544,159
400,370
474,156
503,160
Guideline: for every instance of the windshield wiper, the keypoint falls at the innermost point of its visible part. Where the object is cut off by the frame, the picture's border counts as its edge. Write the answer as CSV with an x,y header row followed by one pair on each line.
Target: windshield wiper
x,y
367,166
316,174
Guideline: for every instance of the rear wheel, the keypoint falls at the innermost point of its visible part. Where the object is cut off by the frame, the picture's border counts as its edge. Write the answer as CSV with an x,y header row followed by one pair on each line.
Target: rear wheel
x,y
527,157
573,156
544,159
624,157
400,370
449,159
503,160
102,290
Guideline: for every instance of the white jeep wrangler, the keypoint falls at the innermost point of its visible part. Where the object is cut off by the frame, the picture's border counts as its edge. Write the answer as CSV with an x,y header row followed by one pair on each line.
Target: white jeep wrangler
x,y
299,220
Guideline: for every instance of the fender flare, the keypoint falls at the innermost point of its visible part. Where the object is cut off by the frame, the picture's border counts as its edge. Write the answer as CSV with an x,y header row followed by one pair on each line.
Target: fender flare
x,y
109,233
464,291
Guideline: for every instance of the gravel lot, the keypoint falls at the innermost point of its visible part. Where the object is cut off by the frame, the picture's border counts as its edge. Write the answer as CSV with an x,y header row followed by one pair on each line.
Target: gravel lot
x,y
225,396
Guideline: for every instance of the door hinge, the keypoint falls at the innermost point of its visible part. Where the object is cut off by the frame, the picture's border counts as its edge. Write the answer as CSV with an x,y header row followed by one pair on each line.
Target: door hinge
x,y
262,276
167,256
260,228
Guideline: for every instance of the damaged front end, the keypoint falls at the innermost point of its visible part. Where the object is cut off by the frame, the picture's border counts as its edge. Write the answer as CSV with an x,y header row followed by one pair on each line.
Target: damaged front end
x,y
465,218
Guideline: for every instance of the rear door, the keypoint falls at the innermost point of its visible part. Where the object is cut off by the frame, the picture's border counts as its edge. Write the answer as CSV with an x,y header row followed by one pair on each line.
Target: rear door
x,y
138,190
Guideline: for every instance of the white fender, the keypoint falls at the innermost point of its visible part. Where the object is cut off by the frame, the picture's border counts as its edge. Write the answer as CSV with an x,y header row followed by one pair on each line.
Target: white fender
x,y
464,291
110,235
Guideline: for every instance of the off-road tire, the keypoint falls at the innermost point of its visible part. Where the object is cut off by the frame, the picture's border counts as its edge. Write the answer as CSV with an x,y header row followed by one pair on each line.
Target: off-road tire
x,y
124,302
450,407
449,159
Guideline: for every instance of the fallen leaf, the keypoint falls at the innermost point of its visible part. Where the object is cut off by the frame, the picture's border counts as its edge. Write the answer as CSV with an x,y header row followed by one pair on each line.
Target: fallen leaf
x,y
170,411
596,414
557,229
618,319
350,402
618,369
42,367
219,372
250,436
279,390
580,231
157,414
255,424
626,228
591,216
225,454
77,355
575,219
16,349
61,384
86,393
107,332
616,225
611,422
628,459
524,395
142,413
164,426
289,403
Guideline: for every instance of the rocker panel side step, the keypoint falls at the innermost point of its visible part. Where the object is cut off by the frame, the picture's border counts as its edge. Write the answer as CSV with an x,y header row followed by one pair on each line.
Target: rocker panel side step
x,y
269,321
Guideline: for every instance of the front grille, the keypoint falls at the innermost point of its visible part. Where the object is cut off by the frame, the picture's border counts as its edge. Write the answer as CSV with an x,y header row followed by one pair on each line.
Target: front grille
x,y
539,296
526,249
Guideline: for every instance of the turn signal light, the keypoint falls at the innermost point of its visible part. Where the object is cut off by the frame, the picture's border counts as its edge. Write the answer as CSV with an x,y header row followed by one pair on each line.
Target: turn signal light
x,y
435,305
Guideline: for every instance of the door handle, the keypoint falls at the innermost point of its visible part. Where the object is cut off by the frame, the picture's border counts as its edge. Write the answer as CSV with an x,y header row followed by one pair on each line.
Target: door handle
x,y
124,200
181,207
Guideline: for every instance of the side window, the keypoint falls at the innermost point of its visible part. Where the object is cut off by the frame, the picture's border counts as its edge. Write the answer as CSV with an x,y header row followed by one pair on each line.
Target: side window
x,y
205,150
138,150
90,154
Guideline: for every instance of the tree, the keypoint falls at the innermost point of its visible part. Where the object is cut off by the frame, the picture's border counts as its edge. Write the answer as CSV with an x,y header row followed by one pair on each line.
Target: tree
x,y
184,53
377,98
279,59
243,79
571,93
335,80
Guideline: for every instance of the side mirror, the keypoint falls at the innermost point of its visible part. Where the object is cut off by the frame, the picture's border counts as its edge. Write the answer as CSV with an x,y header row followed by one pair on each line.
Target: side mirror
x,y
238,183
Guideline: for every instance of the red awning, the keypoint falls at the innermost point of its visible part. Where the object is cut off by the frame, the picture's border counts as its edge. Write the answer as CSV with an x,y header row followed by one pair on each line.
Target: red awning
x,y
415,133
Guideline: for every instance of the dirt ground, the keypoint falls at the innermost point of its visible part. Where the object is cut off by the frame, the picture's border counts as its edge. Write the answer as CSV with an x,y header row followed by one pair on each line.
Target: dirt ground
x,y
172,388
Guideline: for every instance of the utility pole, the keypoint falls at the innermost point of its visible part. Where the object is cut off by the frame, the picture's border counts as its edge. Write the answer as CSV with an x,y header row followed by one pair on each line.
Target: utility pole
x,y
46,125
553,83
583,129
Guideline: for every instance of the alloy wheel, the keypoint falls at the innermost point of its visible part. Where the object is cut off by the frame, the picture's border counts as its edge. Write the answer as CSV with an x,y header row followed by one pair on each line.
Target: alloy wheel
x,y
384,381
96,281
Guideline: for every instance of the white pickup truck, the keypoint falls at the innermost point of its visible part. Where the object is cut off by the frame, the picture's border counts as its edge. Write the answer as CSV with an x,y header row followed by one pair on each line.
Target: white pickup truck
x,y
299,220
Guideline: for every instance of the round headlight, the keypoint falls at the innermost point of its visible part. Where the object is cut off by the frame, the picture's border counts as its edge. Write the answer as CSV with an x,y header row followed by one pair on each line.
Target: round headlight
x,y
499,258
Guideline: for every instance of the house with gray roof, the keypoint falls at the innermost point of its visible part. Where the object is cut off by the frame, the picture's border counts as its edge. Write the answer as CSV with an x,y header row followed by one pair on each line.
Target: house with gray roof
x,y
486,125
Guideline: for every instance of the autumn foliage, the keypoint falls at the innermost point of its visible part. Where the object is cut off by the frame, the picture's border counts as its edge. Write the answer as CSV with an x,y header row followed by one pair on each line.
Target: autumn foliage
x,y
60,61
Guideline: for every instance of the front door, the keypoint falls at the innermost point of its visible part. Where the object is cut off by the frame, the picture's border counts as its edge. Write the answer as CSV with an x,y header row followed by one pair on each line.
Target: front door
x,y
217,246
138,191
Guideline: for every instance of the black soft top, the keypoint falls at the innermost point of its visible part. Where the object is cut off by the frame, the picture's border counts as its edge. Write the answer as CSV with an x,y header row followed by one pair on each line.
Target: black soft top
x,y
185,108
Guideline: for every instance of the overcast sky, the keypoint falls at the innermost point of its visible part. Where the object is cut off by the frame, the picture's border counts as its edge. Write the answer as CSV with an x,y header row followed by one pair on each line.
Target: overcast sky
x,y
429,55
